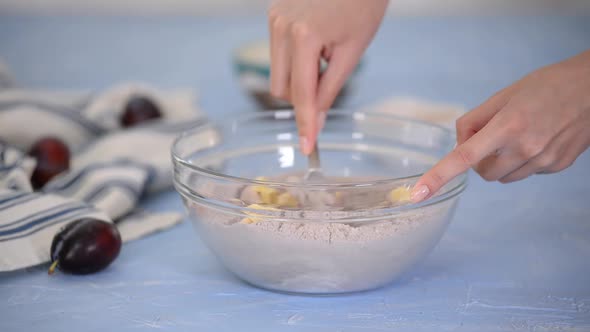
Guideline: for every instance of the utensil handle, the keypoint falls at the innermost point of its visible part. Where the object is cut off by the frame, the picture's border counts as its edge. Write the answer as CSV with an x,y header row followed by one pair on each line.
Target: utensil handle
x,y
314,158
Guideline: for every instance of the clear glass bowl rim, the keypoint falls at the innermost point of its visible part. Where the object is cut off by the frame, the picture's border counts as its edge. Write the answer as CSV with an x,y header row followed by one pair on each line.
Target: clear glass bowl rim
x,y
285,114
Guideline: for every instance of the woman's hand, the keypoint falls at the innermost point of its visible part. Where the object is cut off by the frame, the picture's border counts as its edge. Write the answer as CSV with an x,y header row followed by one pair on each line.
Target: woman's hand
x,y
305,31
540,124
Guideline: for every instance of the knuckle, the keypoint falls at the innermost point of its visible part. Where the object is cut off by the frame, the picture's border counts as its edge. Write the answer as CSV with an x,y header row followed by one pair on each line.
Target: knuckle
x,y
325,103
546,160
301,31
461,123
486,171
515,126
437,179
271,17
284,95
277,90
515,118
280,24
301,119
273,12
498,96
531,148
487,175
301,129
550,169
465,156
559,166
278,93
463,130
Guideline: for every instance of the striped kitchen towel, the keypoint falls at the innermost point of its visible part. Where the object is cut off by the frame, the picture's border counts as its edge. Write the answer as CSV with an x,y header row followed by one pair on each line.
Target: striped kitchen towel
x,y
111,168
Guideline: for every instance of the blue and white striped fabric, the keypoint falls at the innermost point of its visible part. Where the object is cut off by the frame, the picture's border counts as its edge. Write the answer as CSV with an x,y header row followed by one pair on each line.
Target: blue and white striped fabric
x,y
15,168
29,221
110,171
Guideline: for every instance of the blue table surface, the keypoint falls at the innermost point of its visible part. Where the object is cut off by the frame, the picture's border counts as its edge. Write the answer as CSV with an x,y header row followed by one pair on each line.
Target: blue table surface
x,y
515,258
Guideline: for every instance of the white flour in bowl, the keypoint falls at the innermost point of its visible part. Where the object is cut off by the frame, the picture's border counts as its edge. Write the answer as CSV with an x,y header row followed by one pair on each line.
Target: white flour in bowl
x,y
321,256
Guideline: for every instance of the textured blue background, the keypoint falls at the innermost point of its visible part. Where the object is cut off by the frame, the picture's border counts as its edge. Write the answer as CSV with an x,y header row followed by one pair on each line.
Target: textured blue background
x,y
516,257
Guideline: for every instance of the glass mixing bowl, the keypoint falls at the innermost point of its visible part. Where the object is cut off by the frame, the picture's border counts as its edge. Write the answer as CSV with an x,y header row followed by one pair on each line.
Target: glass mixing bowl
x,y
241,184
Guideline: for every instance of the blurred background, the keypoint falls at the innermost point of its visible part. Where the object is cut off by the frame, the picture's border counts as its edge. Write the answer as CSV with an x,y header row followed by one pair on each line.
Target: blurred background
x,y
244,7
458,51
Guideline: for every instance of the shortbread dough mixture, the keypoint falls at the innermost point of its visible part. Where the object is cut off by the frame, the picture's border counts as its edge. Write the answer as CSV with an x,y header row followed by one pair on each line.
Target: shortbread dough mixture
x,y
319,255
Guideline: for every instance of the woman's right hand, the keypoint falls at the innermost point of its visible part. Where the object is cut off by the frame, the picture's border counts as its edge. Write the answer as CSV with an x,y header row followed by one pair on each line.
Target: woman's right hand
x,y
538,125
305,31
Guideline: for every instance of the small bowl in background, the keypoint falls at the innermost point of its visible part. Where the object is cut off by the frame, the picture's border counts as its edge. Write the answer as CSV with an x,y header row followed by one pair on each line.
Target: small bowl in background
x,y
252,66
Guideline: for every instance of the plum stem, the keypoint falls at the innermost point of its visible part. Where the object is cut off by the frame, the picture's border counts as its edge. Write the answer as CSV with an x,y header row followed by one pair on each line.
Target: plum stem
x,y
52,267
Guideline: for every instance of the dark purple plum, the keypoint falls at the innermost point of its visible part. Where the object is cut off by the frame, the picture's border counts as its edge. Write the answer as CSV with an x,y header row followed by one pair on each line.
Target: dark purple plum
x,y
85,246
139,109
53,157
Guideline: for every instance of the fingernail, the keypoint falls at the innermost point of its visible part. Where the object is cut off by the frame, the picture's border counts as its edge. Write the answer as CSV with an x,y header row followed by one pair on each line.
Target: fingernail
x,y
419,193
304,144
321,120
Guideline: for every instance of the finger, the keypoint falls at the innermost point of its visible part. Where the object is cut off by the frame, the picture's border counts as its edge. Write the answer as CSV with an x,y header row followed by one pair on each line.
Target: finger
x,y
529,168
561,152
287,95
473,121
499,164
571,153
304,82
463,157
342,63
327,53
486,163
322,115
540,162
279,57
